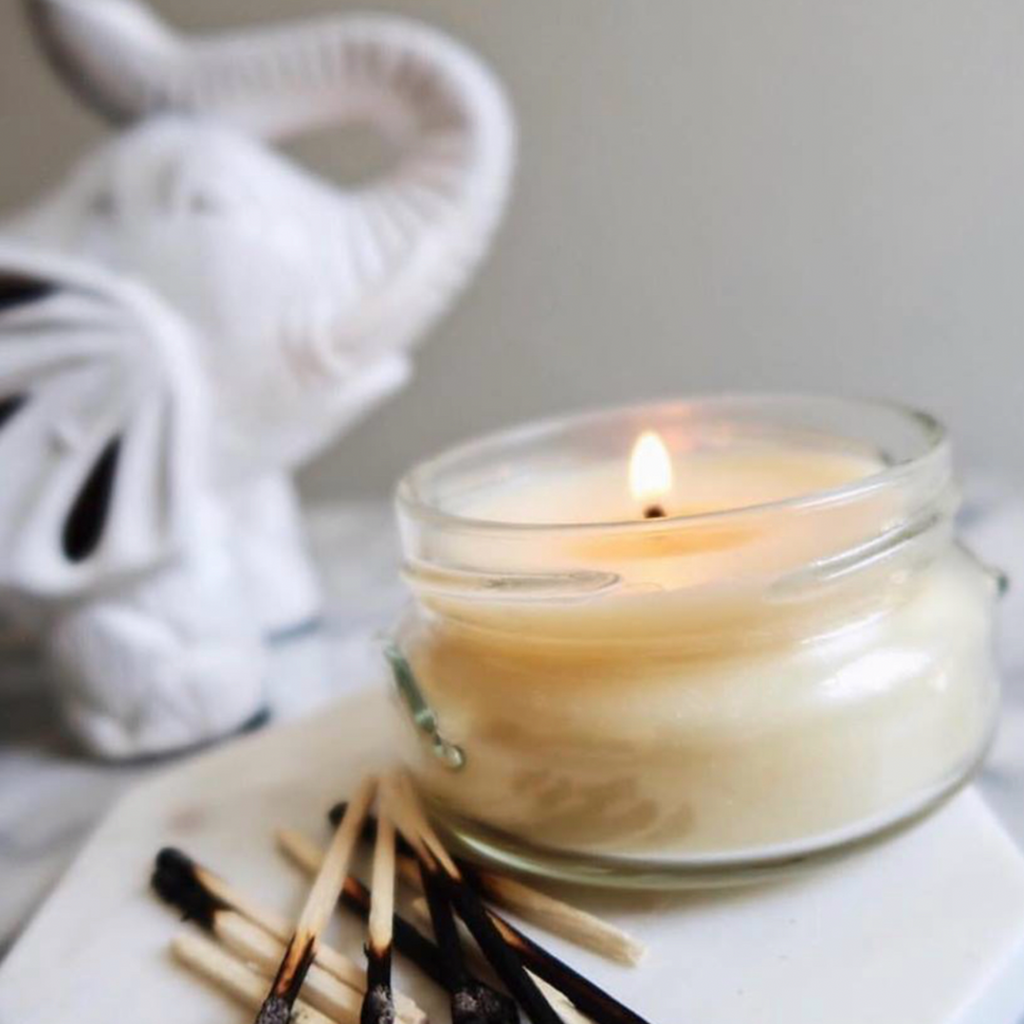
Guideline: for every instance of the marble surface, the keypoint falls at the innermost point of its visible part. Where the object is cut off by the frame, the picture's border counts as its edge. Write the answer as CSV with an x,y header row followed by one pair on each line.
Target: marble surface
x,y
51,797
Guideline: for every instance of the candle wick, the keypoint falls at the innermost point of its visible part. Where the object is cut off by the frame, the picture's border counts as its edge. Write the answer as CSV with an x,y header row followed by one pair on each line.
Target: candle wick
x,y
654,512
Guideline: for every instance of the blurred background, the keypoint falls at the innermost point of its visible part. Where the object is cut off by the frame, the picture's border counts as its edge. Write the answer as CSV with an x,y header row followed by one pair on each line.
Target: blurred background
x,y
792,195
720,195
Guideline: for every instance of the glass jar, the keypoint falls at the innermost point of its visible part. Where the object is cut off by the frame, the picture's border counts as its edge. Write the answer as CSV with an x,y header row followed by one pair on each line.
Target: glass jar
x,y
794,657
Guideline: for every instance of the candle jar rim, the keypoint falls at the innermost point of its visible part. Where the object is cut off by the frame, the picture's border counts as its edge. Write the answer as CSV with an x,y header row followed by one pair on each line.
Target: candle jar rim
x,y
931,459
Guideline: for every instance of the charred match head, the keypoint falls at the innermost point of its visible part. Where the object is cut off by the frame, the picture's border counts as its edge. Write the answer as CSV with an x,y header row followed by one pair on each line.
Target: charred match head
x,y
473,1002
378,1006
316,911
275,1010
477,1003
178,881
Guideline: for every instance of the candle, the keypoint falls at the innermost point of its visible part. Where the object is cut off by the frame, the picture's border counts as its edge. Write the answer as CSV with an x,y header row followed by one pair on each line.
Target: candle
x,y
696,635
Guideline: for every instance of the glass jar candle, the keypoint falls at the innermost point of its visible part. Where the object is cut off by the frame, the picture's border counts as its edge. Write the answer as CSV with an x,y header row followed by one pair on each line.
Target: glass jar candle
x,y
693,641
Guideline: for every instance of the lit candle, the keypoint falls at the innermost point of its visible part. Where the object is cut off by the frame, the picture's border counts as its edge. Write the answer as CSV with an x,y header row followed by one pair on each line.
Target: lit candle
x,y
650,473
734,644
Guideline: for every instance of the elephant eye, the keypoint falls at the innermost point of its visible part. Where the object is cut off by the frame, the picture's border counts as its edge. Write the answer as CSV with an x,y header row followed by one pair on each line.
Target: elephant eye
x,y
15,290
9,406
83,528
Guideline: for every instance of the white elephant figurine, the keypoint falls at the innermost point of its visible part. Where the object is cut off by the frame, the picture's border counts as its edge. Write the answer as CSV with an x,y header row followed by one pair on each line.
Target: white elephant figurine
x,y
190,316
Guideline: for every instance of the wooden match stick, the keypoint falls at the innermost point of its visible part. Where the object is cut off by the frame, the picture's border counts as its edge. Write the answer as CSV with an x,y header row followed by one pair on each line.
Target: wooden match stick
x,y
564,1008
531,905
304,852
256,933
471,1002
556,916
301,949
575,997
245,986
587,997
321,990
378,1003
435,862
590,999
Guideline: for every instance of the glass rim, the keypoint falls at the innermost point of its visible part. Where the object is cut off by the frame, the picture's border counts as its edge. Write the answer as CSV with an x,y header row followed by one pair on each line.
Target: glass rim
x,y
933,435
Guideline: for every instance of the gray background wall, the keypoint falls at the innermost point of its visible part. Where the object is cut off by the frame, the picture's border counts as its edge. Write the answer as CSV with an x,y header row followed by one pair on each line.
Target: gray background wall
x,y
712,195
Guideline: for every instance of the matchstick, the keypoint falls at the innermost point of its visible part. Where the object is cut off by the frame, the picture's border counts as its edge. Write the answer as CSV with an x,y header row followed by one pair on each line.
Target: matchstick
x,y
305,853
245,986
301,949
559,918
411,943
471,1002
532,905
197,892
321,990
256,933
587,997
378,1004
435,862
584,999
564,1008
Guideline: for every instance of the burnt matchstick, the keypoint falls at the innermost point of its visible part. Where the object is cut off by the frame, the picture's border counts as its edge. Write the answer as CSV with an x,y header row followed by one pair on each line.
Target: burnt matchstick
x,y
356,898
322,991
565,1009
230,975
530,904
378,1004
587,997
258,935
327,886
555,977
548,970
340,1000
435,863
472,1003
410,942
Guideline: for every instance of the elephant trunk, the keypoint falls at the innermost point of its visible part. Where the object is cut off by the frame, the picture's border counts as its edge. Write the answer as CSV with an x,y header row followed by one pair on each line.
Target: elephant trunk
x,y
423,225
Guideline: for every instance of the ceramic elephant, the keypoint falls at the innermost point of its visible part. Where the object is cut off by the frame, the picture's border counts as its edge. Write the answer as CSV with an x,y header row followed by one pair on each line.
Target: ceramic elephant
x,y
191,315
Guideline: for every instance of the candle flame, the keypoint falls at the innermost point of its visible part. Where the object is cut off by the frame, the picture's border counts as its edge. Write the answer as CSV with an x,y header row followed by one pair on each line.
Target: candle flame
x,y
650,468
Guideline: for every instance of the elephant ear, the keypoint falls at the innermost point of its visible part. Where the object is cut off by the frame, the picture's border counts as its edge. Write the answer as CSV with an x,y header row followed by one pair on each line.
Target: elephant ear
x,y
100,472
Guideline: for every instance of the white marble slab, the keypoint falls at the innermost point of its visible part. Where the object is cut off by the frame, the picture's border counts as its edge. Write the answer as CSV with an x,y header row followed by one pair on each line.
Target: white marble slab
x,y
927,928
